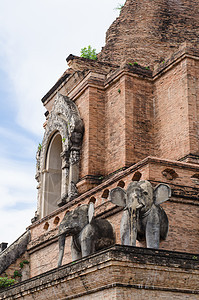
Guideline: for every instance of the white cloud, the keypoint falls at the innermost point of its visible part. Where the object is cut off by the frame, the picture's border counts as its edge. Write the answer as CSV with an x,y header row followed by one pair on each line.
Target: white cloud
x,y
36,37
13,223
15,143
18,198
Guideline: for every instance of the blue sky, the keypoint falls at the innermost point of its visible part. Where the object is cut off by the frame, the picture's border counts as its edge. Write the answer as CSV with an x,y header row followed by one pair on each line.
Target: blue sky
x,y
36,36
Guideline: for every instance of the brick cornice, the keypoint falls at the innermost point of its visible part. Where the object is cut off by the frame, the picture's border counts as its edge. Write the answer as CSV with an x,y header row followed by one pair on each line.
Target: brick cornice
x,y
168,270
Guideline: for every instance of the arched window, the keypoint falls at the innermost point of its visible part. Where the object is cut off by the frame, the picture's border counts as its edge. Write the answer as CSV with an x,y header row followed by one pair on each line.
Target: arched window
x,y
53,174
57,171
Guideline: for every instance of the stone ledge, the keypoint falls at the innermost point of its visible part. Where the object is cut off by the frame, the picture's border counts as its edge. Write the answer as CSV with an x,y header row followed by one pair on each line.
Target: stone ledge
x,y
121,266
185,50
14,251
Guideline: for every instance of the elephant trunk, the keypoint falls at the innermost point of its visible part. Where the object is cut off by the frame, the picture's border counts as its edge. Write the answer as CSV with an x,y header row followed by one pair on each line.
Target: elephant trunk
x,y
134,214
61,248
135,207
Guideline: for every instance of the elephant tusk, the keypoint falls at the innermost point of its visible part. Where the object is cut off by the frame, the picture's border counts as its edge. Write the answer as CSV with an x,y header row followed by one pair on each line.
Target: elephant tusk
x,y
60,234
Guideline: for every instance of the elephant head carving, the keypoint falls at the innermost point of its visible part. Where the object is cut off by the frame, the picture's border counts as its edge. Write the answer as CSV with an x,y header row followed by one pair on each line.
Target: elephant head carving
x,y
143,217
88,233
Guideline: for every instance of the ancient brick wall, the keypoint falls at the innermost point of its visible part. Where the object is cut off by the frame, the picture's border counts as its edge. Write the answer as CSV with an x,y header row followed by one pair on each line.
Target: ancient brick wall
x,y
129,122
171,113
131,113
193,104
182,210
176,110
115,127
119,272
149,31
139,119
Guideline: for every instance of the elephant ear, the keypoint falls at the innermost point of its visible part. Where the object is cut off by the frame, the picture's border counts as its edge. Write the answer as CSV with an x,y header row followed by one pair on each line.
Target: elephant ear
x,y
118,196
91,210
162,193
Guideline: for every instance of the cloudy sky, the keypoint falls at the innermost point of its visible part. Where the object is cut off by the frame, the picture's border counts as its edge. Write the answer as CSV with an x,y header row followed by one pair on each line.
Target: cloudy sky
x,y
36,36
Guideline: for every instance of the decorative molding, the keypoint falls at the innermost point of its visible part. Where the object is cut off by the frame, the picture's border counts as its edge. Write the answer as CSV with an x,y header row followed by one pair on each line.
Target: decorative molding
x,y
64,119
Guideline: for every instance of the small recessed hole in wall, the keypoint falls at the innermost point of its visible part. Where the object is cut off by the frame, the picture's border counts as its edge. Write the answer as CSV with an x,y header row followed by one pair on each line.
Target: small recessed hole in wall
x,y
136,176
105,194
121,184
67,211
46,225
195,178
56,220
92,199
170,174
46,113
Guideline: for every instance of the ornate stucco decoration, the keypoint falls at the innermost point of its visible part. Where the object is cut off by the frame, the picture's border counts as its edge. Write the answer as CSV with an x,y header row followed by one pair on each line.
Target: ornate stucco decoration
x,y
65,120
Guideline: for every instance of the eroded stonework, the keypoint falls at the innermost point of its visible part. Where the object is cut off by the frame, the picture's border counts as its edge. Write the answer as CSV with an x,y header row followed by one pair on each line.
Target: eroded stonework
x,y
10,255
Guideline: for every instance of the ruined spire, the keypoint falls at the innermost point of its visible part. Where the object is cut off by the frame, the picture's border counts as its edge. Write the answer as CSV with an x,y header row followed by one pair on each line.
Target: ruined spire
x,y
149,31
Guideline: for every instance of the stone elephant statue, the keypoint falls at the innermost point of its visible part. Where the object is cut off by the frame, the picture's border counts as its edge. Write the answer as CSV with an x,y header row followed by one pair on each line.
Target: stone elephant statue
x,y
143,218
88,234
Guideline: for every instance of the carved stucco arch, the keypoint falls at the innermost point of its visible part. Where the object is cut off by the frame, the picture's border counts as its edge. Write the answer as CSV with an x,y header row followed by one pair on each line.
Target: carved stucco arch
x,y
65,120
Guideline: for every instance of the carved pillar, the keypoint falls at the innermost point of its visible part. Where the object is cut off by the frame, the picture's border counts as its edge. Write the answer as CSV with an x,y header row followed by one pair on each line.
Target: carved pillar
x,y
76,140
38,179
64,120
73,173
65,156
44,193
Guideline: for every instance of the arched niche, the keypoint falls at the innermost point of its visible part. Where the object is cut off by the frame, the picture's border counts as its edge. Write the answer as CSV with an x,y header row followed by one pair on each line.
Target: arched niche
x,y
53,174
58,157
136,176
170,174
121,184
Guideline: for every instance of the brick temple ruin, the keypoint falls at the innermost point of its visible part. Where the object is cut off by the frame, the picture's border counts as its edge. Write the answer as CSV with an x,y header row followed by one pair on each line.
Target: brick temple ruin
x,y
131,115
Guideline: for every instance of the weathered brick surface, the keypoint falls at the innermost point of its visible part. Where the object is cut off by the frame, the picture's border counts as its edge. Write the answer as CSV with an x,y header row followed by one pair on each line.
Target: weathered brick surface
x,y
193,104
24,271
115,272
182,211
149,31
130,114
171,113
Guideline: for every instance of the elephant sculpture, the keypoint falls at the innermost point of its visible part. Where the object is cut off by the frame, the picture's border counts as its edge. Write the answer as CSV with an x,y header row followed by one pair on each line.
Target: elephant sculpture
x,y
88,234
143,218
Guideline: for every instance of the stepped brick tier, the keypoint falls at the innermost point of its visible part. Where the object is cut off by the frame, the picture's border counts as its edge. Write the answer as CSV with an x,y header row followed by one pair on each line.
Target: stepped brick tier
x,y
131,115
119,272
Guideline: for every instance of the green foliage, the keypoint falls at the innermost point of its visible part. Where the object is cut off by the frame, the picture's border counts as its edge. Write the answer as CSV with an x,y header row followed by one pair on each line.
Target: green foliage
x,y
39,146
119,7
130,64
194,257
63,140
23,263
135,63
6,282
17,274
119,91
89,53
